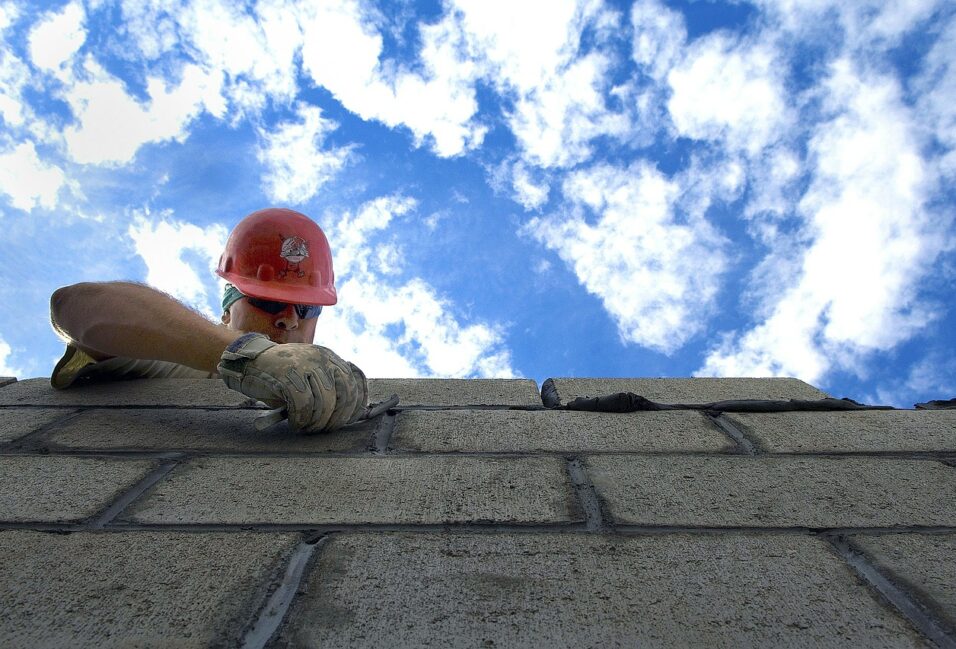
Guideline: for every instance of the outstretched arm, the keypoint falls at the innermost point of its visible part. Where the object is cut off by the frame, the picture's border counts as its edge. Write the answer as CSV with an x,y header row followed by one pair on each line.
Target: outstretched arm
x,y
107,319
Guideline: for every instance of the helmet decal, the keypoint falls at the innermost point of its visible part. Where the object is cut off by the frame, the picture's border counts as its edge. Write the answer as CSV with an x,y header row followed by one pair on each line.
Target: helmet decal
x,y
294,250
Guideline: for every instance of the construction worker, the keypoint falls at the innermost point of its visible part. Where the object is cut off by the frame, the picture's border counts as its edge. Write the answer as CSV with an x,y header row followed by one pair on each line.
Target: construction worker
x,y
278,267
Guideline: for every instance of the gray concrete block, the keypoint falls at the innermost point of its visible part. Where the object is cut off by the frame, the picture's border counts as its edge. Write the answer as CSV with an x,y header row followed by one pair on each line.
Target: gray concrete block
x,y
556,430
869,430
137,589
7,380
457,392
17,422
207,430
730,491
563,590
924,564
136,392
53,488
362,490
696,390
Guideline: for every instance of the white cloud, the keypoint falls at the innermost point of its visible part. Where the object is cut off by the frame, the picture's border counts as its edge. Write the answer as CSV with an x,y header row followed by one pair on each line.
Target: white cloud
x,y
296,163
58,37
180,258
655,273
728,92
529,193
112,125
342,52
936,105
871,236
399,329
14,73
27,180
6,367
535,54
659,35
865,28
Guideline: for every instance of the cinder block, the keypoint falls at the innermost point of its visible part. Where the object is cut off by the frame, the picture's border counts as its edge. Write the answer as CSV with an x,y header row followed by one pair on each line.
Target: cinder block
x,y
924,564
457,392
731,491
362,490
869,430
220,430
137,589
556,431
7,380
17,422
53,488
696,390
563,590
136,392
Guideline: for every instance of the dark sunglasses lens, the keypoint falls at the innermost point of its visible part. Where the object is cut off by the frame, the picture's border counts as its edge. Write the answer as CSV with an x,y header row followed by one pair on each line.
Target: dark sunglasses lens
x,y
307,311
267,305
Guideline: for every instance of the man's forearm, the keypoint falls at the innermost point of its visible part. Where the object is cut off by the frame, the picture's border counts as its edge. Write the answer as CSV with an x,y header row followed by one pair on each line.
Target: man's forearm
x,y
136,321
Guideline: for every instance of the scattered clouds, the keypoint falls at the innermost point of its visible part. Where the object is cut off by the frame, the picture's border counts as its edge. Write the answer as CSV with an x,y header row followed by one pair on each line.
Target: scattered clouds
x,y
536,57
180,257
656,272
390,327
871,239
342,51
27,180
936,88
659,36
296,164
14,73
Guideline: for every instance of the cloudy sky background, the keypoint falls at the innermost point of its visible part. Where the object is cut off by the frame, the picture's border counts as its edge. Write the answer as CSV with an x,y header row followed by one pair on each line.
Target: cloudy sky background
x,y
550,188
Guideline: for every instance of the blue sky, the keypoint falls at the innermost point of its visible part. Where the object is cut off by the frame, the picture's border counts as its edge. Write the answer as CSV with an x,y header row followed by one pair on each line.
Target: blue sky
x,y
533,189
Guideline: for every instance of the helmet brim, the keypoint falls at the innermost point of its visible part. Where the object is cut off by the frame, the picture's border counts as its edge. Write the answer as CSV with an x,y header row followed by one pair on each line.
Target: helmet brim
x,y
290,293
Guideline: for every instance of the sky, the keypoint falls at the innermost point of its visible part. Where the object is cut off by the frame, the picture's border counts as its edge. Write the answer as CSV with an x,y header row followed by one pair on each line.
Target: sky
x,y
548,188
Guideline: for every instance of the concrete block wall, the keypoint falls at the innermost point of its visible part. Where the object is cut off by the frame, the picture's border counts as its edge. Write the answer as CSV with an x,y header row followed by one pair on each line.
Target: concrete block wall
x,y
151,513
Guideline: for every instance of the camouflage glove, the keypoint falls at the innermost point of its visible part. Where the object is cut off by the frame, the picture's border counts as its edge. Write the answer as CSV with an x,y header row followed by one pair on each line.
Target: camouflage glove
x,y
318,389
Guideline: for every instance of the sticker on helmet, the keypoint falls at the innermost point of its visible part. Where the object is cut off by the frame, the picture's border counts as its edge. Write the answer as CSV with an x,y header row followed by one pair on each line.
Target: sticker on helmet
x,y
294,250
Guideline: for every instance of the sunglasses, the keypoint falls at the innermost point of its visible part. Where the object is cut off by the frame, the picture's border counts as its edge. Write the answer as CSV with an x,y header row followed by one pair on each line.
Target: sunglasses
x,y
304,311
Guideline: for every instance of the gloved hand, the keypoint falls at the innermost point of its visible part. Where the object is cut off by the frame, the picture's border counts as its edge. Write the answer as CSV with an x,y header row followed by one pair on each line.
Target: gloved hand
x,y
319,390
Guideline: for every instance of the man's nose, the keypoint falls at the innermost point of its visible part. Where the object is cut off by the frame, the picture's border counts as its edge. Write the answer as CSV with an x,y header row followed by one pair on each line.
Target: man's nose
x,y
287,319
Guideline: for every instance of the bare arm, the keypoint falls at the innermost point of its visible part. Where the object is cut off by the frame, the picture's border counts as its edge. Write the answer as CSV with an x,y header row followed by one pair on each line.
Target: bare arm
x,y
126,319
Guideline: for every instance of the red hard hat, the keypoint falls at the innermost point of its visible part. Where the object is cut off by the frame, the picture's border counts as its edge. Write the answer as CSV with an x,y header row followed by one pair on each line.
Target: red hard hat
x,y
282,255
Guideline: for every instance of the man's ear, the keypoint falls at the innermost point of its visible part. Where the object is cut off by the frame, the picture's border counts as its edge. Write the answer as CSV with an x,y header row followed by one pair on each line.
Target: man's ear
x,y
225,317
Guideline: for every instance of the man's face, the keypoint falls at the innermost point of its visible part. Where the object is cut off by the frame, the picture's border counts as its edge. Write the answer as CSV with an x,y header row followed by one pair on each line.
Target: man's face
x,y
283,327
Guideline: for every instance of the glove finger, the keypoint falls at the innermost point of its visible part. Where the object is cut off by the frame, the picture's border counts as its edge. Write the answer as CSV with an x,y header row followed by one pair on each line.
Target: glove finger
x,y
361,391
345,399
323,402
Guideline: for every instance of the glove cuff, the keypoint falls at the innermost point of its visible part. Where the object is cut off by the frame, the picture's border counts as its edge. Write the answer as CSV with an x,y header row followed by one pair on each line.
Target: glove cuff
x,y
247,346
242,350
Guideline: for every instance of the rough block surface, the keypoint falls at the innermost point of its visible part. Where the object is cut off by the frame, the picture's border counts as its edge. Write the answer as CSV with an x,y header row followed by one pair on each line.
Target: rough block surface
x,y
728,491
561,590
363,490
866,431
137,589
137,392
457,392
923,563
556,431
17,422
7,380
61,488
697,390
222,430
